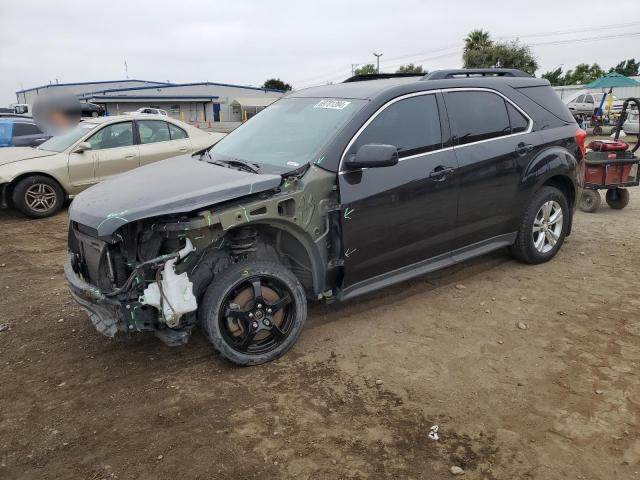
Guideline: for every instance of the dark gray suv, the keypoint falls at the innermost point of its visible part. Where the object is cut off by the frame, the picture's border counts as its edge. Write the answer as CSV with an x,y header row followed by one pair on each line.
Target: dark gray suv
x,y
329,193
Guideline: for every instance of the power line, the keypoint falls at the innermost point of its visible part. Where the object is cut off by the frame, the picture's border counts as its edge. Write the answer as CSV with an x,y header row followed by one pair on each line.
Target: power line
x,y
344,71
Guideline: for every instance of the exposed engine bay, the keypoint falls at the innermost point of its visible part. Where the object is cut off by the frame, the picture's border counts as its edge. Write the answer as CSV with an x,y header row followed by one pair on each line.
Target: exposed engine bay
x,y
150,274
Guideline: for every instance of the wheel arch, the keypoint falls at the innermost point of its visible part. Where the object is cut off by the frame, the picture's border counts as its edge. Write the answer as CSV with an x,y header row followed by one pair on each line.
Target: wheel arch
x,y
555,167
12,184
302,255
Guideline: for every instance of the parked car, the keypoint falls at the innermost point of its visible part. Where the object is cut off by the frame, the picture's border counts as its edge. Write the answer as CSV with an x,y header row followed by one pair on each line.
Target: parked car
x,y
37,181
151,111
631,125
20,132
329,193
585,102
88,109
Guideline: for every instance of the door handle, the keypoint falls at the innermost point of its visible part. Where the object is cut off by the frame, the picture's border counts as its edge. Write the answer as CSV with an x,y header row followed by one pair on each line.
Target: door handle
x,y
523,148
184,149
128,157
440,173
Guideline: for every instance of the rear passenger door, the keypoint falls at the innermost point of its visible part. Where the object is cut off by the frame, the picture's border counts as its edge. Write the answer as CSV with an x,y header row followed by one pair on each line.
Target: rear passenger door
x,y
494,143
160,140
396,217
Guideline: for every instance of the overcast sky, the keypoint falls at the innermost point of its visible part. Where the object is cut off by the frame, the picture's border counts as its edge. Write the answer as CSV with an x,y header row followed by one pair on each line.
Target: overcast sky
x,y
304,42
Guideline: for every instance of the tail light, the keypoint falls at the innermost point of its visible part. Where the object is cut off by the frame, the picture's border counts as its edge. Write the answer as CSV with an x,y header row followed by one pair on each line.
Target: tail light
x,y
581,136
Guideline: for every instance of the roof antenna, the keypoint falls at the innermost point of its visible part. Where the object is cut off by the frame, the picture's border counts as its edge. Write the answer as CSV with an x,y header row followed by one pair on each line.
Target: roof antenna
x,y
126,69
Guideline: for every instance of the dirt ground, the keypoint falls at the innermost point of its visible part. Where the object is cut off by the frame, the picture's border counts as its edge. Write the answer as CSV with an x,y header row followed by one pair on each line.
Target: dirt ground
x,y
559,399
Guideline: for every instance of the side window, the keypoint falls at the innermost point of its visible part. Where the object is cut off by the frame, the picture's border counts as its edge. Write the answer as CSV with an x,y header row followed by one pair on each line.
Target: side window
x,y
412,125
112,136
22,129
588,99
580,99
477,116
176,132
153,131
519,123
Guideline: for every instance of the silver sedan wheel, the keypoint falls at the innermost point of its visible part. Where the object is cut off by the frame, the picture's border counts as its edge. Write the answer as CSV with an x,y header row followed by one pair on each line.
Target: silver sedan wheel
x,y
40,197
547,226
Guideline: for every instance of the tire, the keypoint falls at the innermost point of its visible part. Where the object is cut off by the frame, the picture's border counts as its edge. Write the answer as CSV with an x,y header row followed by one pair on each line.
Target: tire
x,y
617,198
590,200
538,219
597,130
38,196
250,332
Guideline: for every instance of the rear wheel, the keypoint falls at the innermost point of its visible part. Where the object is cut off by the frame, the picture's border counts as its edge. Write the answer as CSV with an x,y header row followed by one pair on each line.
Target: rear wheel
x,y
253,312
38,196
589,200
617,198
543,227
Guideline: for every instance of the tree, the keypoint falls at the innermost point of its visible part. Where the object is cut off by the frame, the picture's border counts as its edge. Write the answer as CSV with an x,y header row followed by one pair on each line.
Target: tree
x,y
628,68
368,69
555,77
482,52
583,73
477,39
276,84
411,68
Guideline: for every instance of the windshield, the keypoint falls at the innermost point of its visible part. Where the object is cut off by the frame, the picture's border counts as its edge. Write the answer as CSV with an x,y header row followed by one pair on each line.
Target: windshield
x,y
287,134
59,143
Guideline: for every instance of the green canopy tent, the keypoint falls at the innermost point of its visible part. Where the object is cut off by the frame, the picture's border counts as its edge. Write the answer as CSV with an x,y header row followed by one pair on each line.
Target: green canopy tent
x,y
613,80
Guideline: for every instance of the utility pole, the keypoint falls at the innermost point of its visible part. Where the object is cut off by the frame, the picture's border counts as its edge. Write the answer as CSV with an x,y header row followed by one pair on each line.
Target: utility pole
x,y
377,55
353,68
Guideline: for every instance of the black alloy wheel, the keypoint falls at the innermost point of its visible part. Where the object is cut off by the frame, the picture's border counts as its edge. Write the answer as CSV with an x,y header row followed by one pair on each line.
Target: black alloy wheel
x,y
254,312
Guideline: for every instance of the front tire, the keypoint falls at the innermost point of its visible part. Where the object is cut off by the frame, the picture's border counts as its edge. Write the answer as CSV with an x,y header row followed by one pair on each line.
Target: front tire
x,y
253,312
543,228
589,200
38,196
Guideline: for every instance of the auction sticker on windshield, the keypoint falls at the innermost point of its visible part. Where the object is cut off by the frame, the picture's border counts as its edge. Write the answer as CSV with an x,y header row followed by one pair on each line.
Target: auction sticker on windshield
x,y
332,104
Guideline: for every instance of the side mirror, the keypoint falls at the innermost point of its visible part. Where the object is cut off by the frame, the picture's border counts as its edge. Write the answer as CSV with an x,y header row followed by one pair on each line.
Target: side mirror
x,y
372,155
82,147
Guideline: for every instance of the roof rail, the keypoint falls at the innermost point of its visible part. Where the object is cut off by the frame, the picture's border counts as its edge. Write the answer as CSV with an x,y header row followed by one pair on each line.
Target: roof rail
x,y
379,76
475,72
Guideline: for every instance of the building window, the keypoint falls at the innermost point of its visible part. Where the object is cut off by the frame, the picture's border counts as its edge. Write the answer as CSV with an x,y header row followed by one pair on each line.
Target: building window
x,y
174,109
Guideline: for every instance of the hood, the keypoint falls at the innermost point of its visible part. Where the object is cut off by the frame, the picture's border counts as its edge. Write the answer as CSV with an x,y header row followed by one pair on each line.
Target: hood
x,y
179,184
15,154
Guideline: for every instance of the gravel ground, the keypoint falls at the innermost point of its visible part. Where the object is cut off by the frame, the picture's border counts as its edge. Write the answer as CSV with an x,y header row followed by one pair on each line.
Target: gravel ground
x,y
528,371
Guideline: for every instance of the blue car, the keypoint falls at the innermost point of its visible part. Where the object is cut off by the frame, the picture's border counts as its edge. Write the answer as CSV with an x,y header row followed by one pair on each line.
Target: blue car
x,y
20,132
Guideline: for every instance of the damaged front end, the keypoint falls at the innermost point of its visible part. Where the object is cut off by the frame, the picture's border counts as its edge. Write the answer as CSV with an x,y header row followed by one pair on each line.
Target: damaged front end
x,y
129,286
147,267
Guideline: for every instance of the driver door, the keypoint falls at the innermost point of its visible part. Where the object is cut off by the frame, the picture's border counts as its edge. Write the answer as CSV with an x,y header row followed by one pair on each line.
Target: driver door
x,y
395,219
114,150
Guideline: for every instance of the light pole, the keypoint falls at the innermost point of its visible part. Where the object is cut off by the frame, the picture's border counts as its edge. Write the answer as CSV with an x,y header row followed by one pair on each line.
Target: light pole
x,y
377,55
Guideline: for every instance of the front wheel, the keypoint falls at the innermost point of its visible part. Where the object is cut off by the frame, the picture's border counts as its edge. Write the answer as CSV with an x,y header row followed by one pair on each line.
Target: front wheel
x,y
589,200
38,196
543,227
253,312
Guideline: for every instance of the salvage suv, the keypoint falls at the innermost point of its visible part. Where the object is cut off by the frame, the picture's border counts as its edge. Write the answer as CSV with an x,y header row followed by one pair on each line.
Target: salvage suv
x,y
330,193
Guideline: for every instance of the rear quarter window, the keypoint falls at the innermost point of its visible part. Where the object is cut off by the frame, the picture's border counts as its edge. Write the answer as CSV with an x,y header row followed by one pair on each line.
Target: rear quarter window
x,y
548,99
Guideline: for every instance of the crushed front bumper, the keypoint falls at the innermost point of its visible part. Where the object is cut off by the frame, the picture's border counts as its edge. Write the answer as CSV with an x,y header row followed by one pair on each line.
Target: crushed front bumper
x,y
108,315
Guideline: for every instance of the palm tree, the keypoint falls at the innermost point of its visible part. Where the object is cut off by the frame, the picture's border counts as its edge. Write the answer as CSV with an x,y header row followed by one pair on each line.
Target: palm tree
x,y
477,39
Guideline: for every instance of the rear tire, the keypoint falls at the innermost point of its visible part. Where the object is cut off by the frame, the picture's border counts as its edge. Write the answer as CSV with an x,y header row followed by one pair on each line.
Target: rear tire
x,y
589,200
617,198
543,227
38,196
253,312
